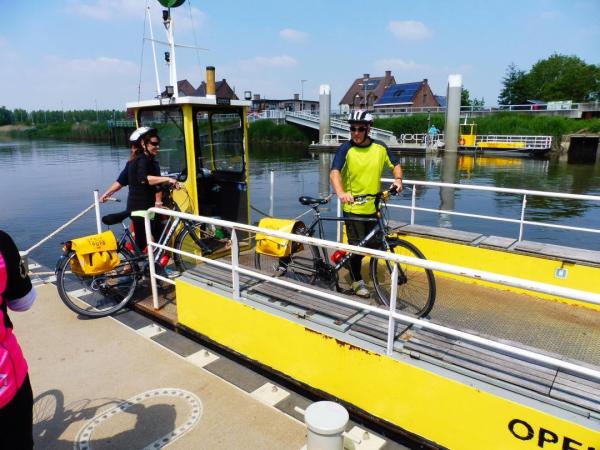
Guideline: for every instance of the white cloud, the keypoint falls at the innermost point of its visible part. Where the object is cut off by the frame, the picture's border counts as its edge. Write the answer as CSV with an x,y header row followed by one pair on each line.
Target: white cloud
x,y
291,35
99,66
259,62
411,30
399,65
114,9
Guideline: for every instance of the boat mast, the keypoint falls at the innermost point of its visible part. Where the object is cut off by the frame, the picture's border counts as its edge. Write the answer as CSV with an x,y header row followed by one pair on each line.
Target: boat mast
x,y
168,22
153,52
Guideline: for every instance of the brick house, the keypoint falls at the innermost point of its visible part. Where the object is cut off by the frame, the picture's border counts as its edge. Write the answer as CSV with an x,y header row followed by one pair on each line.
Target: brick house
x,y
416,94
365,92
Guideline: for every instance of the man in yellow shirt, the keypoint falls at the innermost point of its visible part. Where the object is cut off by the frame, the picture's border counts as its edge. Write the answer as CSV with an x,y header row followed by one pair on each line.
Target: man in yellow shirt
x,y
356,170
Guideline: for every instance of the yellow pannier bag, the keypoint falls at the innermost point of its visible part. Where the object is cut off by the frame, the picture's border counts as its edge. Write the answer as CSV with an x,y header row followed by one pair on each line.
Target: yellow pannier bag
x,y
275,246
96,254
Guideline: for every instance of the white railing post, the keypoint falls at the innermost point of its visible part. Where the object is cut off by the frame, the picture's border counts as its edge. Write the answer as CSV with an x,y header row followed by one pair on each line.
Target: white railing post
x,y
271,192
97,207
413,204
235,264
150,241
339,223
393,297
523,206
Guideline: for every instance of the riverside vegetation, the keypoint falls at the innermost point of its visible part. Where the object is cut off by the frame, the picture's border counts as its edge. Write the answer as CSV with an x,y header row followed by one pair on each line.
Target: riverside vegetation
x,y
266,131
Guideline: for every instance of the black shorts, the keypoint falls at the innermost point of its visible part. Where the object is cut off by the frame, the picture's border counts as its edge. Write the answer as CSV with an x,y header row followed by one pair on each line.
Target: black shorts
x,y
357,230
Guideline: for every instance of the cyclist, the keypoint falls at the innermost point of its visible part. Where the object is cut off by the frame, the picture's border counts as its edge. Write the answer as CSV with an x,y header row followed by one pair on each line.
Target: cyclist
x,y
356,169
144,178
122,180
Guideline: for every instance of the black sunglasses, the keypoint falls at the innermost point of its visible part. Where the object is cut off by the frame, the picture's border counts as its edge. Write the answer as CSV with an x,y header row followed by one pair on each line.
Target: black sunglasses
x,y
155,143
360,129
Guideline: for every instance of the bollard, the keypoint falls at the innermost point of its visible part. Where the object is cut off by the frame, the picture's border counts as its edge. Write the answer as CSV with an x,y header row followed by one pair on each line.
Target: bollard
x,y
326,421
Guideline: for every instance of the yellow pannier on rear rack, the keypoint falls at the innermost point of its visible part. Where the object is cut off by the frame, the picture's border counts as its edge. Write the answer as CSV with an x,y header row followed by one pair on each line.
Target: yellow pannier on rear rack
x,y
96,254
275,246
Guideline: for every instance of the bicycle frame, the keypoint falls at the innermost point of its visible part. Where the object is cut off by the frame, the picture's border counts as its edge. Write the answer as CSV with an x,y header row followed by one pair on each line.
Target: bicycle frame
x,y
317,224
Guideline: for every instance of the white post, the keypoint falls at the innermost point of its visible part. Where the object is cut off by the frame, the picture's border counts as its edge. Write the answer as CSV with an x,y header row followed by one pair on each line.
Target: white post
x,y
150,241
235,263
153,52
524,205
326,422
412,204
97,207
271,194
172,65
339,224
393,295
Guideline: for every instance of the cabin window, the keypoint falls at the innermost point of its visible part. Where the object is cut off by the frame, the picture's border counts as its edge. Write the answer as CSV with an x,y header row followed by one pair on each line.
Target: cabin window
x,y
221,137
169,124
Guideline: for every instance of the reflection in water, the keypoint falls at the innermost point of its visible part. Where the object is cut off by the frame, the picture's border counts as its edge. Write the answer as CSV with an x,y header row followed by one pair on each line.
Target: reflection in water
x,y
449,165
325,160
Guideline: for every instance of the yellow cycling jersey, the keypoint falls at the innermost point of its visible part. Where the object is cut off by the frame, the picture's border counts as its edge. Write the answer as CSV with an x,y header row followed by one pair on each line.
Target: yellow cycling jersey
x,y
361,169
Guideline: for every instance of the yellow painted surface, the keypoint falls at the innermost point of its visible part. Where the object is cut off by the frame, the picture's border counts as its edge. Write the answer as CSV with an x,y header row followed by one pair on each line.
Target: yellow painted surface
x,y
507,145
442,410
532,268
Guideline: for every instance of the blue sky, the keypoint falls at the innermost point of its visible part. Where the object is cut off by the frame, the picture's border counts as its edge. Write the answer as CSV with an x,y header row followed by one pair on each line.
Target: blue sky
x,y
79,53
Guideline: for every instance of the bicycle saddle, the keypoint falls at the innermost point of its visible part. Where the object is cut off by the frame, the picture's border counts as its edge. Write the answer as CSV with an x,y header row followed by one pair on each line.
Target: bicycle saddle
x,y
115,218
305,200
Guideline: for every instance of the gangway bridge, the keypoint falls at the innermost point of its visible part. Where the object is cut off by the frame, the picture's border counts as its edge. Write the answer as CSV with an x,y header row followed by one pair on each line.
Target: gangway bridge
x,y
340,129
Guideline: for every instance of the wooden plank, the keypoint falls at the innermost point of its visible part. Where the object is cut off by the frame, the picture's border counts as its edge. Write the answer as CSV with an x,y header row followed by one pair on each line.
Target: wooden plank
x,y
579,386
499,372
559,251
517,363
444,233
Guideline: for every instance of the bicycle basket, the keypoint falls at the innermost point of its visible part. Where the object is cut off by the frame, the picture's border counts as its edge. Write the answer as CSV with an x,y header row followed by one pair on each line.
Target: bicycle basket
x,y
275,246
96,254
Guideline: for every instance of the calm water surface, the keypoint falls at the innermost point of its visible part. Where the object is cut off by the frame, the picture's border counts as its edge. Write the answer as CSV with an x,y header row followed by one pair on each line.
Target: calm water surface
x,y
44,183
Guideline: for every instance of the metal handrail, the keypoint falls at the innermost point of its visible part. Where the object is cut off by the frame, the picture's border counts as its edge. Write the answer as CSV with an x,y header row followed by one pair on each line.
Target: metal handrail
x,y
524,192
95,205
390,314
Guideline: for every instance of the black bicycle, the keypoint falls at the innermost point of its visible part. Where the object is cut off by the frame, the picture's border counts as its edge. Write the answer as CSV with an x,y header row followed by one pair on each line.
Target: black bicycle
x,y
416,285
106,293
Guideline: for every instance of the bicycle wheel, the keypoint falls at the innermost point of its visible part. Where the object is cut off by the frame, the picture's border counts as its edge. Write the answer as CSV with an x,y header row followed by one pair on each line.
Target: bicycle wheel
x,y
416,286
100,295
199,239
300,266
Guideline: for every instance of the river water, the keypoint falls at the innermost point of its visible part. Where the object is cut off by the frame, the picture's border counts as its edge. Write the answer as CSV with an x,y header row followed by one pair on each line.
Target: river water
x,y
44,183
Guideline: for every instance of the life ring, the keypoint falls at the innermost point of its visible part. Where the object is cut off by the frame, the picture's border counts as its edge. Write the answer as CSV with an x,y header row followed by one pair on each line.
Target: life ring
x,y
461,141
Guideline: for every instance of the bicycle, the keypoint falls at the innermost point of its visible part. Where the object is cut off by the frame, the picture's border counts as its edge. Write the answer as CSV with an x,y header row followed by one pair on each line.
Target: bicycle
x,y
416,286
106,293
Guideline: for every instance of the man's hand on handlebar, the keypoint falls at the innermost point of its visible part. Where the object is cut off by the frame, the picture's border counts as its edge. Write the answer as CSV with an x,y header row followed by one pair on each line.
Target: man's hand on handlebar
x,y
346,197
396,186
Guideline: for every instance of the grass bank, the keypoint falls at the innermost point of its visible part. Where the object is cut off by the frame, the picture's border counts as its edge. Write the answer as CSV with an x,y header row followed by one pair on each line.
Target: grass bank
x,y
66,131
269,131
500,123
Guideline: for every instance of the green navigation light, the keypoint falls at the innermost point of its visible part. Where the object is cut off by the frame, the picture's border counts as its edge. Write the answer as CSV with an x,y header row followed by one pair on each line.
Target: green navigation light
x,y
171,3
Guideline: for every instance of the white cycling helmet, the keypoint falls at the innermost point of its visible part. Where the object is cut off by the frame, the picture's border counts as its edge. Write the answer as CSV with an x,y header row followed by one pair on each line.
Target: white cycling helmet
x,y
360,116
139,133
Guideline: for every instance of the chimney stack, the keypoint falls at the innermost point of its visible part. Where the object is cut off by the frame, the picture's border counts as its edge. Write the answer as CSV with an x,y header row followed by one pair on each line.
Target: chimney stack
x,y
388,73
366,76
210,82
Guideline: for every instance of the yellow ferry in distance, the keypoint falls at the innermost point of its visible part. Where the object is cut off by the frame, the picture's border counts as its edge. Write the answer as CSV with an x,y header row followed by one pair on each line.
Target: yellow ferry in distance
x,y
469,140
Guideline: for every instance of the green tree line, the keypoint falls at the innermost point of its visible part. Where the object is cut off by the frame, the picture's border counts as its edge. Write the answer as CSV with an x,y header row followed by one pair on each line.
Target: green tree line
x,y
557,78
37,117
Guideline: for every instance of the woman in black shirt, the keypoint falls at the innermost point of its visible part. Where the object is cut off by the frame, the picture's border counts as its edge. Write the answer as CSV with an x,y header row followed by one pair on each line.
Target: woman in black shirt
x,y
144,177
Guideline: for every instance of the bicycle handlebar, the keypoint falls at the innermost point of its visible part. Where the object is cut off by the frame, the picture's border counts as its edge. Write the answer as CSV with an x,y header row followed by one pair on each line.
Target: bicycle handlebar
x,y
383,194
